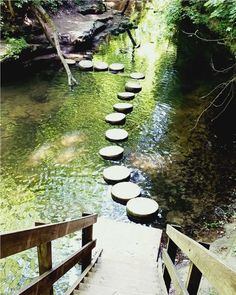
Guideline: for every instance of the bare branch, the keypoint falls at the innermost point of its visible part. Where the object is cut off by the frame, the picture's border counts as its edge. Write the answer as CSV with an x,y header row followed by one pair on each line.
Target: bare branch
x,y
220,113
223,70
223,102
212,103
204,39
218,86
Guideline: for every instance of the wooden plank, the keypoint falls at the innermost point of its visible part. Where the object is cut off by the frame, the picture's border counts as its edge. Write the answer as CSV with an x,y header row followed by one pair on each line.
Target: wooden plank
x,y
45,259
84,273
38,286
87,236
194,276
15,242
207,262
178,285
171,250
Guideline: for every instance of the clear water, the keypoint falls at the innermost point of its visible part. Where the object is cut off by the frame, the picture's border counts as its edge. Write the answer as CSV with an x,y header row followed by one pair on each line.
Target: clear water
x,y
51,170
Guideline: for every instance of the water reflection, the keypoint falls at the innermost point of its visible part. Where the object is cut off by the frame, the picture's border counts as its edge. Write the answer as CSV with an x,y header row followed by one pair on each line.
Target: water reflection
x,y
50,166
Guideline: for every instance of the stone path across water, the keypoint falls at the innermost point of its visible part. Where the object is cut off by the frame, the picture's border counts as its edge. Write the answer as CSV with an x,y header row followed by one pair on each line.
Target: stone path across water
x,y
138,209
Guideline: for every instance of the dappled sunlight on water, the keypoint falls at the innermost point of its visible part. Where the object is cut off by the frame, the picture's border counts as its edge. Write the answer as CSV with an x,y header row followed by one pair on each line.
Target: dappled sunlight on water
x,y
51,170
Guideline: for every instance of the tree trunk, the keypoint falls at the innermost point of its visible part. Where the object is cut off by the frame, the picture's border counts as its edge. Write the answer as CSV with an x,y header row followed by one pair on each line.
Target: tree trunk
x,y
125,7
45,20
11,8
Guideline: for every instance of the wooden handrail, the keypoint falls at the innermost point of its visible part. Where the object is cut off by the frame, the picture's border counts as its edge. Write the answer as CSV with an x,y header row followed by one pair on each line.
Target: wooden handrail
x,y
208,263
84,273
179,287
15,242
46,280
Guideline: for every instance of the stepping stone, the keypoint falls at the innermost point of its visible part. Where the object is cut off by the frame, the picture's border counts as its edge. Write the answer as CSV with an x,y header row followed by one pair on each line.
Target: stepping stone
x,y
115,118
112,152
85,64
133,86
126,95
74,56
70,61
141,209
100,66
116,174
123,107
116,134
137,76
116,67
124,191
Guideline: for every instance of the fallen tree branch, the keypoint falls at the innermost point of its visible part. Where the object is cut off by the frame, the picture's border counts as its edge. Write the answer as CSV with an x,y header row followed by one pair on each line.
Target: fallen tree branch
x,y
45,20
131,38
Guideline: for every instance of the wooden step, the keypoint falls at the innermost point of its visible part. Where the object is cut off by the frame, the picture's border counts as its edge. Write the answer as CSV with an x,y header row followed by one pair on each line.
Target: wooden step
x,y
128,263
93,289
109,276
137,285
108,263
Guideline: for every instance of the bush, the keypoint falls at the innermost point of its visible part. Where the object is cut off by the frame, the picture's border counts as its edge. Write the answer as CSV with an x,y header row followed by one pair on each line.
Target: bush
x,y
15,47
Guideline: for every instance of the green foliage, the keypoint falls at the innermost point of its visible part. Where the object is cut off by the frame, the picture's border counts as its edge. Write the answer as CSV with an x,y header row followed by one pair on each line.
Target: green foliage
x,y
173,14
213,225
15,47
21,4
49,3
218,15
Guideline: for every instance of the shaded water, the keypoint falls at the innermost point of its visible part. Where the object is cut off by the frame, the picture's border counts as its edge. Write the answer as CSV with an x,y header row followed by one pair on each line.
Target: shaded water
x,y
51,170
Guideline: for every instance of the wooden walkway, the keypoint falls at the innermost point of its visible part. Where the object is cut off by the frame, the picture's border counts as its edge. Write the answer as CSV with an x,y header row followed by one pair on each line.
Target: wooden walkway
x,y
128,262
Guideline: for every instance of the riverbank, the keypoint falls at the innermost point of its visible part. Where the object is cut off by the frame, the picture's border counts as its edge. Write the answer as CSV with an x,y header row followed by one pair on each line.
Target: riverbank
x,y
80,29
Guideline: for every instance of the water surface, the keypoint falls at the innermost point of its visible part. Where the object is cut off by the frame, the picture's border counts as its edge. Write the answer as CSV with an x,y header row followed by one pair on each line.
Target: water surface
x,y
51,170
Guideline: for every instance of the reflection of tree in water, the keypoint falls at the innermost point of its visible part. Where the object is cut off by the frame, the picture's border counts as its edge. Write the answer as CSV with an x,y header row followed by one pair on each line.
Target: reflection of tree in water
x,y
197,186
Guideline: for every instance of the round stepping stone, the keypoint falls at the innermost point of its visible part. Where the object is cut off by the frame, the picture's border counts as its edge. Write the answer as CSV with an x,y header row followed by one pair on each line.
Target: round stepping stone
x,y
111,152
116,174
116,67
137,76
133,86
126,95
115,118
123,107
70,61
100,66
116,134
85,64
124,191
141,209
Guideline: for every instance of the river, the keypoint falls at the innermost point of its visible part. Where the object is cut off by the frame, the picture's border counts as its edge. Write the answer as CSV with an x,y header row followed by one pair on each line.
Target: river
x,y
51,170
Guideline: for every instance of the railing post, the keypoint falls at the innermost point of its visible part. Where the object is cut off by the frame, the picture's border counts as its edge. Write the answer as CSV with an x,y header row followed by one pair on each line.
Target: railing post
x,y
87,236
171,250
45,259
194,276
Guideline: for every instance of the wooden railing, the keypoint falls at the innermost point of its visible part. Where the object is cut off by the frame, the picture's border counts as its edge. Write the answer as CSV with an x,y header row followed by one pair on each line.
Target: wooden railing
x,y
202,262
41,237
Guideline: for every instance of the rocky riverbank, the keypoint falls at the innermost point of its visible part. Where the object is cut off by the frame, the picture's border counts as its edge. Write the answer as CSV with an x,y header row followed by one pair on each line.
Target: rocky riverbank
x,y
80,29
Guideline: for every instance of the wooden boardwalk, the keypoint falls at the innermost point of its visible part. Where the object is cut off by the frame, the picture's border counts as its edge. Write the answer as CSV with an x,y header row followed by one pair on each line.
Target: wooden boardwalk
x,y
128,262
